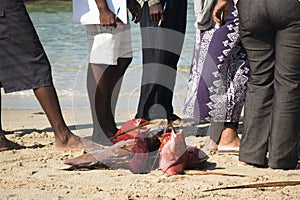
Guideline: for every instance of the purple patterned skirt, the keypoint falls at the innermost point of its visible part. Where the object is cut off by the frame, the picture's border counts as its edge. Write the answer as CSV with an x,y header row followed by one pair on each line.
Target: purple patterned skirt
x,y
218,74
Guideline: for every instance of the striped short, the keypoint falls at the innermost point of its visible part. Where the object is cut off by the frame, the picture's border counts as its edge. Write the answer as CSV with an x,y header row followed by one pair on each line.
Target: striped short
x,y
107,44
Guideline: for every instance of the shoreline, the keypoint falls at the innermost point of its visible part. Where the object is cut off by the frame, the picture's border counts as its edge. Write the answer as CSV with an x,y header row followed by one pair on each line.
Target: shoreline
x,y
78,120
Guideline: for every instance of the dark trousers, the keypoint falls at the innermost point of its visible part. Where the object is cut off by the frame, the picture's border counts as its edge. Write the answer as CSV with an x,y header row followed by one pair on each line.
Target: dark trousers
x,y
161,51
270,32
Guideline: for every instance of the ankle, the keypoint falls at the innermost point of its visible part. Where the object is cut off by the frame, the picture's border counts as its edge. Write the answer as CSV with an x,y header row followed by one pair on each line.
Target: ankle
x,y
68,141
63,137
229,137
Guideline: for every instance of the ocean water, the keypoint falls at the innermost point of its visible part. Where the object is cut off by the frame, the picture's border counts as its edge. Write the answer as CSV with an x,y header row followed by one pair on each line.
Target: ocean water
x,y
66,47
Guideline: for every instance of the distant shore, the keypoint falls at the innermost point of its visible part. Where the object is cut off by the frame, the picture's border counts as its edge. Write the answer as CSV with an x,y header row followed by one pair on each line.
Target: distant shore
x,y
49,6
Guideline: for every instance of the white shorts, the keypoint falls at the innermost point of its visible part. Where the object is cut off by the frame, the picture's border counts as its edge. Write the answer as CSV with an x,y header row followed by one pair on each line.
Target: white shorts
x,y
107,44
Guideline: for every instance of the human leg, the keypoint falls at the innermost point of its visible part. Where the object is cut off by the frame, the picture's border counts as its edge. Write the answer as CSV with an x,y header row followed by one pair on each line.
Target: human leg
x,y
285,130
298,150
160,61
64,138
97,92
224,137
104,83
279,109
117,79
229,137
91,84
257,36
110,53
1,130
6,144
214,135
150,85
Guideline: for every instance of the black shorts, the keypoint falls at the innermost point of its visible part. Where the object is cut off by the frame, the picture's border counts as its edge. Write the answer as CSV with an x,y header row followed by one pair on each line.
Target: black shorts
x,y
23,62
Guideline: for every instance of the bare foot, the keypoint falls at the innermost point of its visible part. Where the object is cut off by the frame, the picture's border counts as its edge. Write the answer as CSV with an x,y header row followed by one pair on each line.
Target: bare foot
x,y
85,158
6,144
70,143
229,140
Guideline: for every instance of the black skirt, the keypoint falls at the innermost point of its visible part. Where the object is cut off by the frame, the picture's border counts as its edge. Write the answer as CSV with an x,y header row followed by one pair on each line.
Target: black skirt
x,y
23,62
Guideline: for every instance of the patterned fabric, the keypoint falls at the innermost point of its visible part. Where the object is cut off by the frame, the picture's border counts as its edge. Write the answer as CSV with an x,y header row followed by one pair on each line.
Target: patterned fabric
x,y
218,75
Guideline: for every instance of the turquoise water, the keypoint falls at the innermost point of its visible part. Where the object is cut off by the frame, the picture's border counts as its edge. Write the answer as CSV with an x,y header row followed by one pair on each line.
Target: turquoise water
x,y
66,47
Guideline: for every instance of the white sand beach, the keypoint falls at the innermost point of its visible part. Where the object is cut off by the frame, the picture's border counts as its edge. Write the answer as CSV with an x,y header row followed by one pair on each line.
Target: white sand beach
x,y
37,171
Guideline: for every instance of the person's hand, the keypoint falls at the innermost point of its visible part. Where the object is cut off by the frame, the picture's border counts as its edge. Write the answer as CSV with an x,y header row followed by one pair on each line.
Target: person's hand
x,y
135,9
107,18
220,11
156,12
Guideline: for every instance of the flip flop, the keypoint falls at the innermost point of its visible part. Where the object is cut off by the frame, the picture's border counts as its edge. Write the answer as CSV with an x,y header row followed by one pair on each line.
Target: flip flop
x,y
228,149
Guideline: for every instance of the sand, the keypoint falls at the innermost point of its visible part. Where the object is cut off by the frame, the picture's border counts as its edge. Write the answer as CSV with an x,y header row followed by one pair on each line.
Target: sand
x,y
37,171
